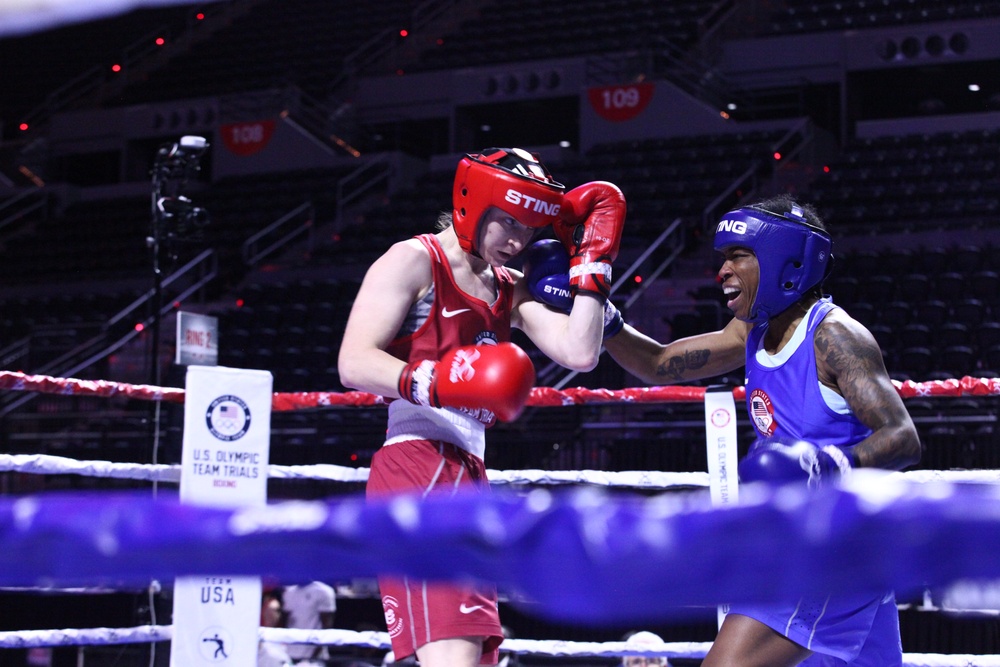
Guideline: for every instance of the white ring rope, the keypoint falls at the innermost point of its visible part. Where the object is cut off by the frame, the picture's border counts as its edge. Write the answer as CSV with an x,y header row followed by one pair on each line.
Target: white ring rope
x,y
44,464
380,640
142,634
630,478
57,465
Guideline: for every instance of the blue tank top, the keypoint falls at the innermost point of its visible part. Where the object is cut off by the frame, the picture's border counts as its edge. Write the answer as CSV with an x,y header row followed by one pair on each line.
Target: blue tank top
x,y
785,400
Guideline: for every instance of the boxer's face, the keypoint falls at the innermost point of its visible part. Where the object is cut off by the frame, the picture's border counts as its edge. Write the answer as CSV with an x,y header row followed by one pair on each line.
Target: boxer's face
x,y
740,277
502,237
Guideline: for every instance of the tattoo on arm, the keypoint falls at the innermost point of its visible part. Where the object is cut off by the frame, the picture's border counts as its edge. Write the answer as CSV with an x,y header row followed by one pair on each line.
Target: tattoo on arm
x,y
856,367
675,367
861,376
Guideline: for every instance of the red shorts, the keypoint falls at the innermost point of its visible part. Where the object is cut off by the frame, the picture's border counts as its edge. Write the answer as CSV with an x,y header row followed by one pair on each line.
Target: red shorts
x,y
418,611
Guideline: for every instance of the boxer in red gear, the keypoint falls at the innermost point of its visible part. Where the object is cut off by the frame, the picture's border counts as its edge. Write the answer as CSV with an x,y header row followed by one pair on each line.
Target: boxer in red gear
x,y
431,327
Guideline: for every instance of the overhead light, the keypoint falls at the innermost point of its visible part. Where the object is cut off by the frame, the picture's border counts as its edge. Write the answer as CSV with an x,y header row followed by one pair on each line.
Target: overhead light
x,y
974,87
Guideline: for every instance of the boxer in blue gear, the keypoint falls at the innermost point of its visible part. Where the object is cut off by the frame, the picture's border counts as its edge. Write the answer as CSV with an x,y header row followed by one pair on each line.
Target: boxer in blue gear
x,y
819,398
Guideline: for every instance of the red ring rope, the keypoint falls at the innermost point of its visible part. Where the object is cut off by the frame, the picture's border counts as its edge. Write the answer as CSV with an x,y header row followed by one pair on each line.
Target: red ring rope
x,y
540,396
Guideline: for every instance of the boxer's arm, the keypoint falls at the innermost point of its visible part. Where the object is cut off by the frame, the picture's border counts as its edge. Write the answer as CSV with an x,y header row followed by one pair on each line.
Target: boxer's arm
x,y
572,340
546,273
848,360
590,228
692,358
392,284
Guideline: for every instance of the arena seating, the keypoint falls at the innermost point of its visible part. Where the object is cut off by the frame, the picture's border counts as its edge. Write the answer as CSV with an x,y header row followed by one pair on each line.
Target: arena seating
x,y
661,179
49,61
531,31
802,16
103,239
290,328
280,43
913,182
930,320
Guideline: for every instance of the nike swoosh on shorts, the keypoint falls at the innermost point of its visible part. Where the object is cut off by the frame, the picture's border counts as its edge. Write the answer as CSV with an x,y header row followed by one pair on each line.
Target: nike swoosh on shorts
x,y
468,610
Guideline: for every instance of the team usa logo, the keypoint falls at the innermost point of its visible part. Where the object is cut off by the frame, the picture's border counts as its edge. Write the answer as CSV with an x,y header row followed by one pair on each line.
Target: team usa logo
x,y
228,418
393,619
762,413
721,418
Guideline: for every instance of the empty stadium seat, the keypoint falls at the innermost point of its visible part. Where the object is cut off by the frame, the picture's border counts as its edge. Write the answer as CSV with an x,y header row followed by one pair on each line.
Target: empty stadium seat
x,y
970,312
960,360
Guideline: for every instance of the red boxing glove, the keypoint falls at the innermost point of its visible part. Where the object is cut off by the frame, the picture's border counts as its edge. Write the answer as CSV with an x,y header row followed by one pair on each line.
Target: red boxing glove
x,y
590,227
498,378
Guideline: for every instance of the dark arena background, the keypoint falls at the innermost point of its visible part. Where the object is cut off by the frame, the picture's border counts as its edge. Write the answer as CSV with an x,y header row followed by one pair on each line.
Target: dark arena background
x,y
331,130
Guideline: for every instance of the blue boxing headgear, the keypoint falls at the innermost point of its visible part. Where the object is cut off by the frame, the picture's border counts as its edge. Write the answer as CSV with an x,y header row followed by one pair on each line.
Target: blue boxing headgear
x,y
793,255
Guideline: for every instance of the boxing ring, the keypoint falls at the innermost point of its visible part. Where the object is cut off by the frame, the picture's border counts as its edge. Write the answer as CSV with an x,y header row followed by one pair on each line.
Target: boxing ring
x,y
559,538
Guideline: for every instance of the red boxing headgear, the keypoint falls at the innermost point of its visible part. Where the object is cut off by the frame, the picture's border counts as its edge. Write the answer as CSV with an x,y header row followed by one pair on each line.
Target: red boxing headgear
x,y
511,179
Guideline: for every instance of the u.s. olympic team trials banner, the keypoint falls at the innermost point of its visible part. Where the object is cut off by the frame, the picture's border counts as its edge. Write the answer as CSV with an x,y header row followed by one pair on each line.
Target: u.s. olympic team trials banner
x,y
227,427
723,456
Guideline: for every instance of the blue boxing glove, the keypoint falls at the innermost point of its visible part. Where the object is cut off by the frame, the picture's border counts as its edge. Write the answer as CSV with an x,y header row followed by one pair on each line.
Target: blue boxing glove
x,y
546,268
781,461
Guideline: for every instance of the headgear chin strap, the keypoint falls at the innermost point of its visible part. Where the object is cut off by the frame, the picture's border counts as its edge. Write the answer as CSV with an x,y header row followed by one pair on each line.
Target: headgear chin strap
x,y
793,255
511,179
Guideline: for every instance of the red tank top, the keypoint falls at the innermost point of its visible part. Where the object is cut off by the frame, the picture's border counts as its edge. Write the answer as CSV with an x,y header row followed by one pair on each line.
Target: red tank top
x,y
456,318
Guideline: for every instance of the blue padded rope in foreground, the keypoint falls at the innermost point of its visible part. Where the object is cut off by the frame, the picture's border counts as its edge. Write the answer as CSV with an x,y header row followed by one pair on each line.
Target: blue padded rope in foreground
x,y
578,555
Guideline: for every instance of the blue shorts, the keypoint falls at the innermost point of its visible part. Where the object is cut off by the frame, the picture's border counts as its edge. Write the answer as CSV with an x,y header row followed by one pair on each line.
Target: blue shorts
x,y
845,630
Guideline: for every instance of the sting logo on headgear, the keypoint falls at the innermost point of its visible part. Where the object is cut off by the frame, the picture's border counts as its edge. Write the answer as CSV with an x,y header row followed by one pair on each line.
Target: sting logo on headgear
x,y
510,179
793,255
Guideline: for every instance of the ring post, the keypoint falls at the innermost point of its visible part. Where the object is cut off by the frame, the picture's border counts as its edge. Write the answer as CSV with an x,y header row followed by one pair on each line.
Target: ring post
x,y
723,456
224,464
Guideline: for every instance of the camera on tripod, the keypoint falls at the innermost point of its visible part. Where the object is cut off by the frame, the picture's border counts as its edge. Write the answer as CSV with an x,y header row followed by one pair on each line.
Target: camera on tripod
x,y
180,160
175,217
